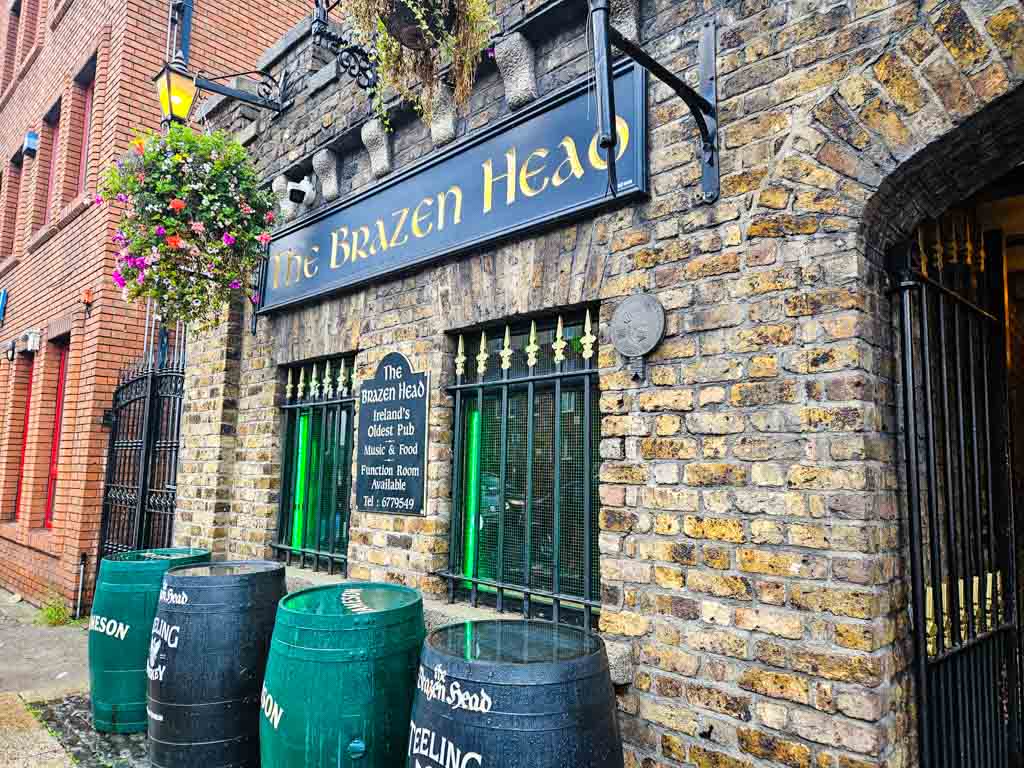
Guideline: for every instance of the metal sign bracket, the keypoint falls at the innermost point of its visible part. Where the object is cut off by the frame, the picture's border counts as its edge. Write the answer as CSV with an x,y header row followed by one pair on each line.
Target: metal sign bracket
x,y
703,105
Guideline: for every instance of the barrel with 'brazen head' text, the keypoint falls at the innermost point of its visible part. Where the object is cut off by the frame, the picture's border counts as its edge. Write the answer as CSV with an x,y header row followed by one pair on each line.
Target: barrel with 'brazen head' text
x,y
341,676
513,694
122,615
207,654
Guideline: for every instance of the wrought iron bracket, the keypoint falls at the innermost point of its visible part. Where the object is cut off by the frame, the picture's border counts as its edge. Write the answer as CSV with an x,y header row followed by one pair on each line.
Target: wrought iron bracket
x,y
272,94
351,56
703,105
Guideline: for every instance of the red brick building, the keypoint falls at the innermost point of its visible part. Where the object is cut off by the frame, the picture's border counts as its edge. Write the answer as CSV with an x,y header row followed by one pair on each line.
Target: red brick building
x,y
78,74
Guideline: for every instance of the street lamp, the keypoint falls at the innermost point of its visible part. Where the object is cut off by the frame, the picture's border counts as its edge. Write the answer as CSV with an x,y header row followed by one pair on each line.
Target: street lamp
x,y
12,350
176,89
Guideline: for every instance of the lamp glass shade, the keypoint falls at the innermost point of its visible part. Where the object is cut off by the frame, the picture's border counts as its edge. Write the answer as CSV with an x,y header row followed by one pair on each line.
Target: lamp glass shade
x,y
176,90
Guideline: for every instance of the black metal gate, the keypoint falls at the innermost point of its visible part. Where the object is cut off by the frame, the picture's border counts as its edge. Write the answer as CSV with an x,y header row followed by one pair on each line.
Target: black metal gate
x,y
142,457
960,505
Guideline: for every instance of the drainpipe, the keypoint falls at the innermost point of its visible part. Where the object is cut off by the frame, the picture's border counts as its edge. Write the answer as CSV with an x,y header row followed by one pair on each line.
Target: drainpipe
x,y
81,582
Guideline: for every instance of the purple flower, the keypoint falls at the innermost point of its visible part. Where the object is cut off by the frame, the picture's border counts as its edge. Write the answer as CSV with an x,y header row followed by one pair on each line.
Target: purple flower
x,y
122,197
119,280
98,200
160,231
228,239
235,285
255,298
141,278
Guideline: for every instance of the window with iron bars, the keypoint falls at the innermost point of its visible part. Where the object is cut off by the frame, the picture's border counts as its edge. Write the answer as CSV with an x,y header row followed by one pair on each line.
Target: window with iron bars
x,y
524,484
316,477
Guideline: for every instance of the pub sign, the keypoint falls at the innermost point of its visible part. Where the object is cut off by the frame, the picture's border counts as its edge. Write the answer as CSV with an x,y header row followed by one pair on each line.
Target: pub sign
x,y
538,166
391,466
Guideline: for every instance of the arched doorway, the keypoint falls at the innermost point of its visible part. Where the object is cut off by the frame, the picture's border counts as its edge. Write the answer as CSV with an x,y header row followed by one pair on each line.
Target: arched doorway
x,y
951,222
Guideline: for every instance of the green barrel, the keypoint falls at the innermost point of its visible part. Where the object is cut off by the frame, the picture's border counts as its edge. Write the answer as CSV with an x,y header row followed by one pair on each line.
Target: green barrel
x,y
340,677
127,591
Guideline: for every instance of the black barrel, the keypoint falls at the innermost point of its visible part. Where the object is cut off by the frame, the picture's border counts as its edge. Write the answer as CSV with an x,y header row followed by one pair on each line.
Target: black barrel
x,y
513,694
207,654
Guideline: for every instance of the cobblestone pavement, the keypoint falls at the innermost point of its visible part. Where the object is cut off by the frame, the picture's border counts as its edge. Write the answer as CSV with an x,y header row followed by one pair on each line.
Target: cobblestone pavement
x,y
69,719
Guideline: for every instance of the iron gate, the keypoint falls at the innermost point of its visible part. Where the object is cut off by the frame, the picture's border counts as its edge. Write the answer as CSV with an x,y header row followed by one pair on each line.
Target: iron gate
x,y
960,506
142,457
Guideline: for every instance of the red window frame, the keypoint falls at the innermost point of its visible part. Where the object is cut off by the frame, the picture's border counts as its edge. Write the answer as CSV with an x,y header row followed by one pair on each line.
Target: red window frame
x,y
51,172
83,161
24,440
58,418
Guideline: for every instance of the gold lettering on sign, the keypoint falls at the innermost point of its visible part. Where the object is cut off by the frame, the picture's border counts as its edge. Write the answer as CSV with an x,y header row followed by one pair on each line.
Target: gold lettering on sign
x,y
401,215
358,248
339,242
525,174
572,159
622,129
292,265
509,176
309,266
442,198
417,218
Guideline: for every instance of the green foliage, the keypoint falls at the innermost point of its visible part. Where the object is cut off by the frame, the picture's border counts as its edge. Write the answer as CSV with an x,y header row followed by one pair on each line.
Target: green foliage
x,y
413,73
195,221
54,612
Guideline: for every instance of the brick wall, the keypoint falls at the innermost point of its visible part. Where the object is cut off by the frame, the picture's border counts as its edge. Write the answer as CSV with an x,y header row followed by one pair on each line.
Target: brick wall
x,y
45,266
752,553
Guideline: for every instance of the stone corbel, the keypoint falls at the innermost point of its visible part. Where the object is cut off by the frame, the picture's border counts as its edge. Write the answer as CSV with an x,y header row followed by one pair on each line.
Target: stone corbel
x,y
442,126
518,66
326,164
625,17
287,208
378,143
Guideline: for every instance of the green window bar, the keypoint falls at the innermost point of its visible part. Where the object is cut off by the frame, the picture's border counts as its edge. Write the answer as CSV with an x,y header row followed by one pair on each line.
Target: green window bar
x,y
524,528
316,481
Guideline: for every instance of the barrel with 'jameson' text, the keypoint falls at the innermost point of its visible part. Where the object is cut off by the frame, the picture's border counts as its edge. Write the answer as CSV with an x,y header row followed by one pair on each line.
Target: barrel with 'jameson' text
x,y
207,654
122,615
513,694
341,676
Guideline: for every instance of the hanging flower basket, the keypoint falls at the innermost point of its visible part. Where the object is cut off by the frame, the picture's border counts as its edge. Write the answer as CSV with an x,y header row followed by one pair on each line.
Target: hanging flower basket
x,y
411,41
195,225
423,30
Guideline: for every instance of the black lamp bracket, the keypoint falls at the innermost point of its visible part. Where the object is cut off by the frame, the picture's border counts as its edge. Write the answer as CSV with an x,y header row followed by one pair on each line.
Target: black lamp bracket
x,y
703,105
271,93
352,57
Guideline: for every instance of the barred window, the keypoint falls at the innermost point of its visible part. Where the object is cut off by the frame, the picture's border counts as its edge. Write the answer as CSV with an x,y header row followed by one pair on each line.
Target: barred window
x,y
316,482
524,486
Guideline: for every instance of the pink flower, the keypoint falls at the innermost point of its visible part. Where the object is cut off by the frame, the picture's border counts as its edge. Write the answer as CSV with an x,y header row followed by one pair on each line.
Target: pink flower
x,y
269,218
98,200
198,227
141,278
118,279
264,238
247,209
228,239
235,285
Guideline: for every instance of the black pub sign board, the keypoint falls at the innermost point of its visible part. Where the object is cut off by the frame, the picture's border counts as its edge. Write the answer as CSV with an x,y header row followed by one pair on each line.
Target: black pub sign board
x,y
391,472
540,165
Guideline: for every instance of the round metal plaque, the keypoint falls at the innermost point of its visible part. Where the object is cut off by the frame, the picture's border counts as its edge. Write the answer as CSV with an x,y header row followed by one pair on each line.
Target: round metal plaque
x,y
638,325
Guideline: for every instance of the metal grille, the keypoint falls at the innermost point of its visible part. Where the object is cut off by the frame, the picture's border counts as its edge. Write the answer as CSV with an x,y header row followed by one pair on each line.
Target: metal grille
x,y
524,487
142,457
317,465
961,510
